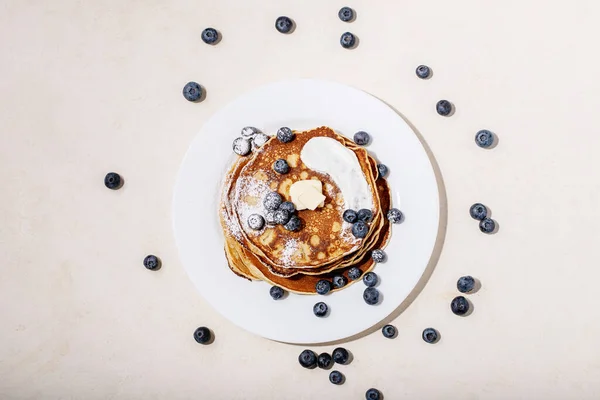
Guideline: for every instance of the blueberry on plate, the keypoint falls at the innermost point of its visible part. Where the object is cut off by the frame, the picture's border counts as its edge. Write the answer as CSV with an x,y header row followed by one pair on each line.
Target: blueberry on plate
x,y
320,309
323,287
272,201
339,281
336,377
484,138
430,335
192,91
370,279
112,180
281,166
249,131
241,146
202,335
259,139
465,284
350,216
443,107
487,225
373,394
354,273
270,218
360,230
394,216
276,292
378,256
478,211
308,359
423,71
362,138
340,355
371,296
294,224
152,262
210,36
284,24
346,14
324,361
288,206
256,222
364,215
389,331
459,305
383,170
285,134
347,40
282,217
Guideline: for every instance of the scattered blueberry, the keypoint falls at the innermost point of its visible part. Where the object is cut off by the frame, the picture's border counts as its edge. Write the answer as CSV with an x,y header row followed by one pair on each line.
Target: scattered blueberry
x,y
256,222
347,40
288,206
370,279
340,355
443,107
285,135
324,361
281,166
378,256
276,292
394,216
350,216
346,14
373,394
241,146
371,296
192,91
339,281
478,211
284,24
364,215
362,138
308,359
336,377
389,331
270,218
112,180
282,217
383,170
202,335
320,309
259,139
360,230
294,224
354,273
323,287
465,284
484,138
152,262
459,305
423,71
249,131
487,225
272,201
210,36
430,335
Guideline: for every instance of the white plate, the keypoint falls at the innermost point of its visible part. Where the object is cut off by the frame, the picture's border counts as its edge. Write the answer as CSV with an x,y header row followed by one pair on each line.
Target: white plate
x,y
301,105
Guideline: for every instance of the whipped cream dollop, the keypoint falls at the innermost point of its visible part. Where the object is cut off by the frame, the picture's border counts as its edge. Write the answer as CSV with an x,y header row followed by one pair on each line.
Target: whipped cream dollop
x,y
328,156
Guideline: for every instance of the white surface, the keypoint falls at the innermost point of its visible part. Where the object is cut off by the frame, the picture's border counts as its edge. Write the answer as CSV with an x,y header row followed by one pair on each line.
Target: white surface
x,y
302,105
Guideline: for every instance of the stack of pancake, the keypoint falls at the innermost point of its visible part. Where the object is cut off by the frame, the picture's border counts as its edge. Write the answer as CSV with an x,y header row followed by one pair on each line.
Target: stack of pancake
x,y
324,247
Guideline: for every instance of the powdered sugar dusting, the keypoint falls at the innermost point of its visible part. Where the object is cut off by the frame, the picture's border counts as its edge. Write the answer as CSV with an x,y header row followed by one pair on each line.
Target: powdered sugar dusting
x,y
249,196
291,246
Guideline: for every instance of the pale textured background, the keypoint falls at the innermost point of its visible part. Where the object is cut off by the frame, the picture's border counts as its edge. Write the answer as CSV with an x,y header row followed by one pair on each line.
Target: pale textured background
x,y
88,87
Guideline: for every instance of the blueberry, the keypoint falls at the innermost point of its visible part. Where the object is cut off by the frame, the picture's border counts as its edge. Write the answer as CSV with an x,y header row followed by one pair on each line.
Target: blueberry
x,y
360,230
112,180
340,355
478,211
423,71
347,40
465,284
373,394
282,217
281,166
362,138
378,256
323,287
383,170
241,146
294,224
430,335
256,222
288,206
346,14
487,225
336,377
192,91
370,279
210,36
354,273
364,215
249,131
350,216
443,107
389,331
339,281
202,335
152,262
308,359
320,309
395,216
276,292
324,361
459,305
272,201
284,24
285,134
259,139
484,138
270,218
371,296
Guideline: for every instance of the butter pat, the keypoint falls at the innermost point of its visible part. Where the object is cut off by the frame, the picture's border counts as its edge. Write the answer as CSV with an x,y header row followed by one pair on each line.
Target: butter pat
x,y
307,194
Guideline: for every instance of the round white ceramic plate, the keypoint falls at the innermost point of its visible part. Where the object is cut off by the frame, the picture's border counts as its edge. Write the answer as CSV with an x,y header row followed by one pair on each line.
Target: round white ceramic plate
x,y
301,105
